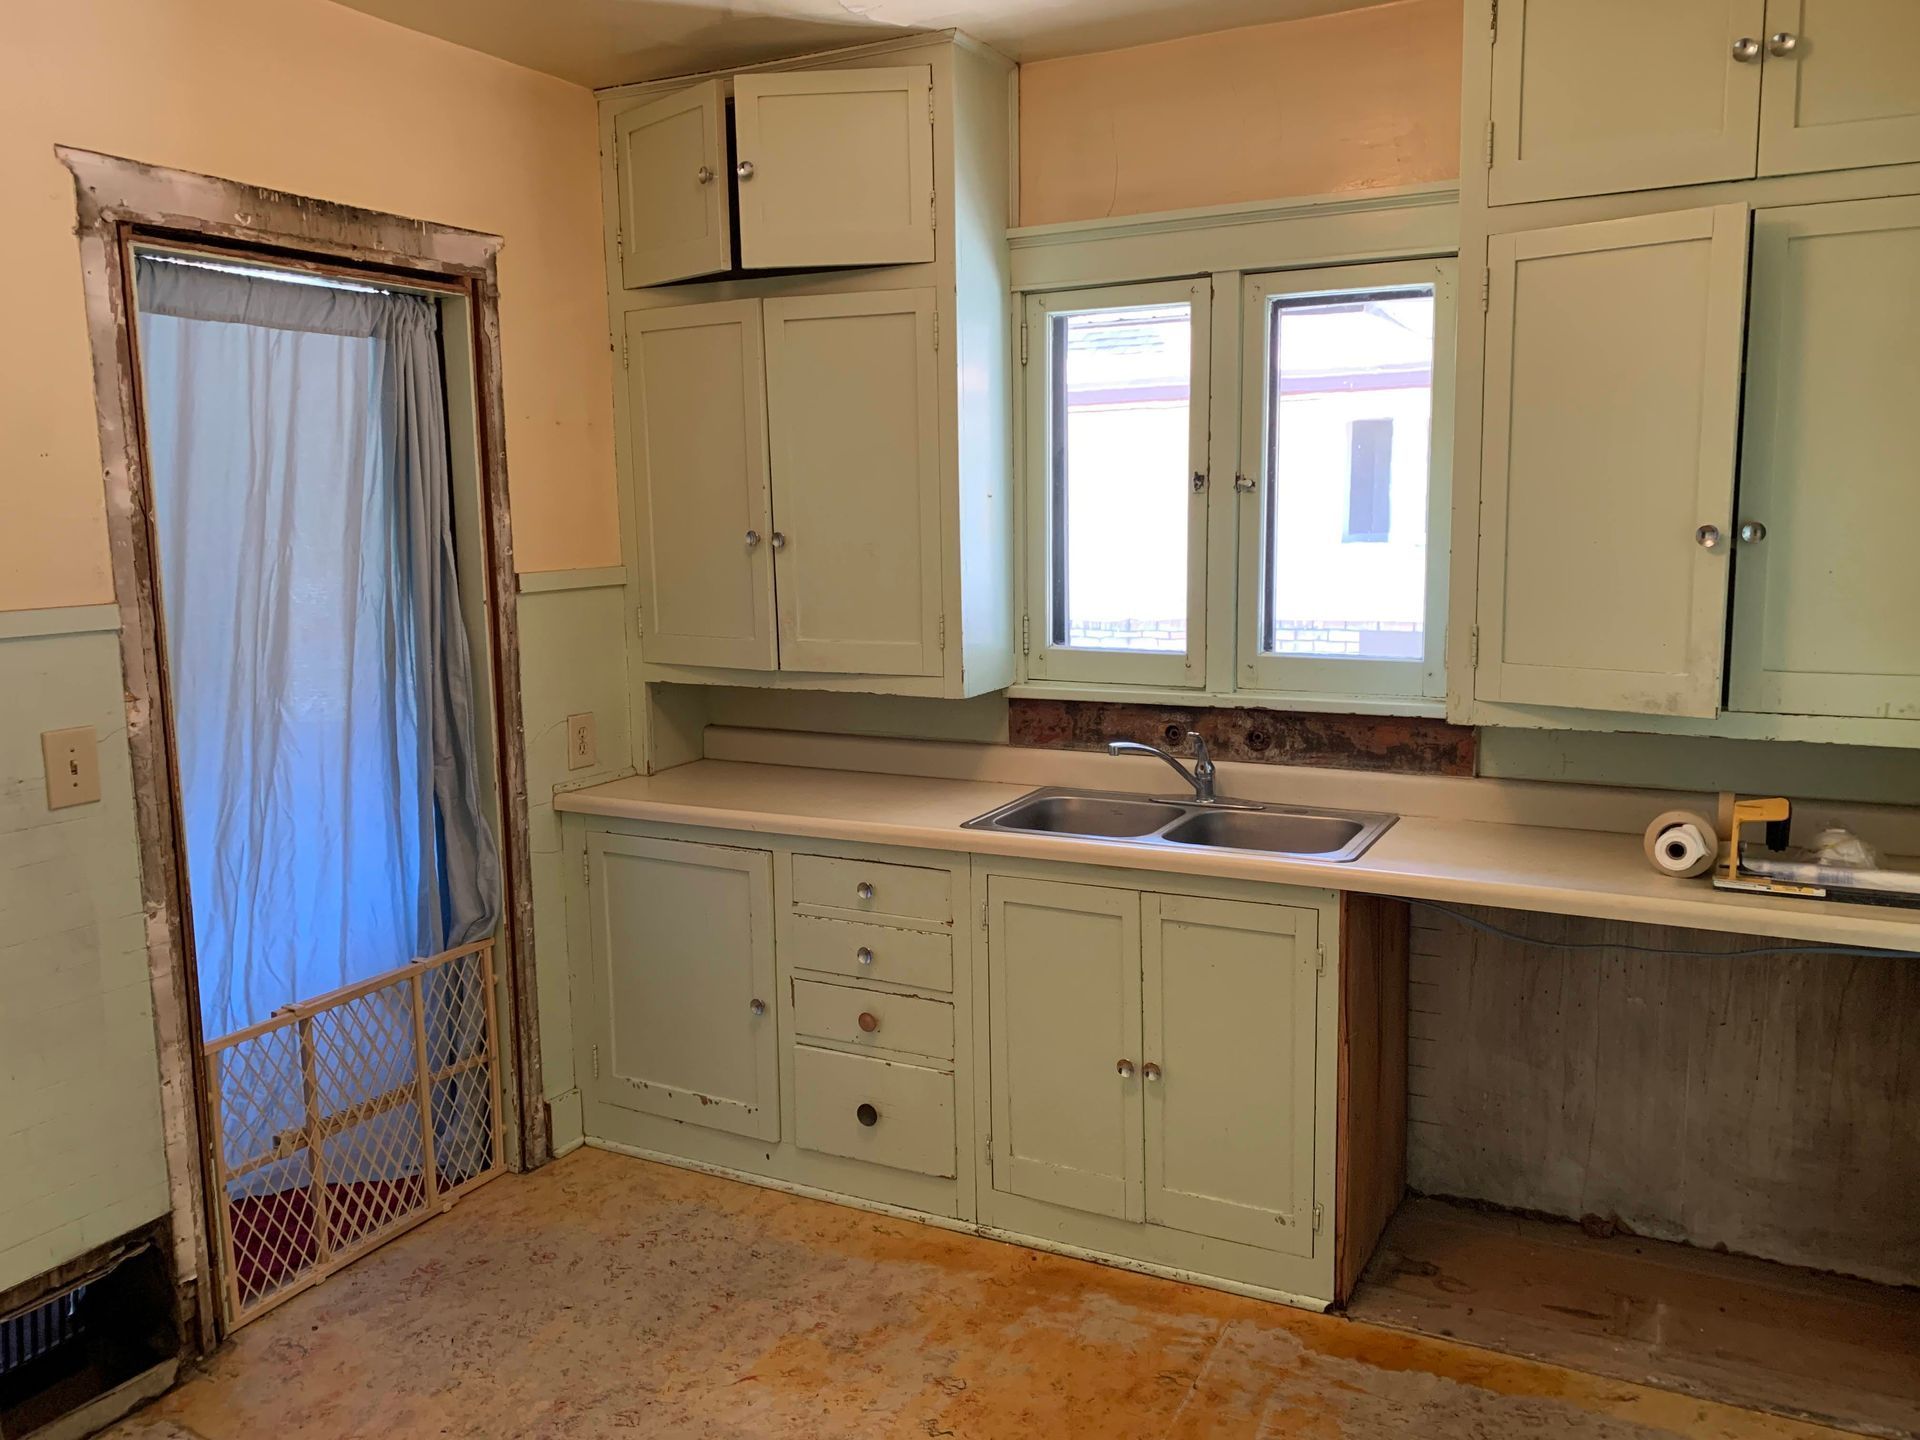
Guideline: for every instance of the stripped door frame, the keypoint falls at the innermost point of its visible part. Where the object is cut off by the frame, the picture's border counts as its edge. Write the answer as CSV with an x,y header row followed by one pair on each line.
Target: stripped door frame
x,y
122,201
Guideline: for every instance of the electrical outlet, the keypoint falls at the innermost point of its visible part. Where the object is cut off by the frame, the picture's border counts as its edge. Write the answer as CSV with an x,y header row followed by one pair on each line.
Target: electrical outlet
x,y
73,766
583,742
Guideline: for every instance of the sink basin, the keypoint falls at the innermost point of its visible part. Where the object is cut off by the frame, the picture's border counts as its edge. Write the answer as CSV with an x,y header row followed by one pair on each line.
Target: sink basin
x,y
1277,830
1102,816
1307,834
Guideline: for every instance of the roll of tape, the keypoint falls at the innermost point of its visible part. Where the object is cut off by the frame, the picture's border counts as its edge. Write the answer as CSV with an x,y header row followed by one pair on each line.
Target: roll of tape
x,y
1682,844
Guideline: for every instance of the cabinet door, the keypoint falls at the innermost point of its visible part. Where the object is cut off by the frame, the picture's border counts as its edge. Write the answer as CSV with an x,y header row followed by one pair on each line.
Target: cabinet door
x,y
1826,600
835,167
683,959
1231,1016
1842,85
855,433
696,405
675,214
1629,95
1063,984
1612,400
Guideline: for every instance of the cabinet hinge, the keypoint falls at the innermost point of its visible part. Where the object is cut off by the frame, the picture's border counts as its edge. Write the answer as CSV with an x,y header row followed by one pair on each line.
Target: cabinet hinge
x,y
1493,21
983,914
1486,291
1319,1216
596,1062
625,363
933,209
1473,648
586,868
1320,961
929,102
989,1155
639,621
1489,144
943,632
619,245
936,329
1023,342
1026,634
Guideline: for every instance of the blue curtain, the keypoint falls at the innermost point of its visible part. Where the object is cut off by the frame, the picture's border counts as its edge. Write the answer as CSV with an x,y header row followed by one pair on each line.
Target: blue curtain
x,y
321,688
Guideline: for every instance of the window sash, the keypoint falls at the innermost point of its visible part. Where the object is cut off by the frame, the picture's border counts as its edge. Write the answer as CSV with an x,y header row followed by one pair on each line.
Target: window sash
x,y
1046,660
1261,672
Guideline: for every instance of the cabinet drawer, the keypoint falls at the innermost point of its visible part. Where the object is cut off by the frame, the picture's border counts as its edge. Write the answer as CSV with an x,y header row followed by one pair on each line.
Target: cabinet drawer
x,y
869,887
873,1110
849,1015
917,958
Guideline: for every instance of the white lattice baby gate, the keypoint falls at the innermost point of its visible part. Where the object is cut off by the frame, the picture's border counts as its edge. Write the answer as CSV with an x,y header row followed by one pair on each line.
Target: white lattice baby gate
x,y
338,1123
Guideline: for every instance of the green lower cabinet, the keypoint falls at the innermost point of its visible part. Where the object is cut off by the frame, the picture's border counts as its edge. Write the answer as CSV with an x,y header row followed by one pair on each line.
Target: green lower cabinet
x,y
1154,1058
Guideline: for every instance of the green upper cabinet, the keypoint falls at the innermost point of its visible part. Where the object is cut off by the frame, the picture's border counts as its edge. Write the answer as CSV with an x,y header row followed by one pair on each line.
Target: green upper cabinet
x,y
1627,95
1592,99
1841,86
675,202
835,167
1610,418
1826,590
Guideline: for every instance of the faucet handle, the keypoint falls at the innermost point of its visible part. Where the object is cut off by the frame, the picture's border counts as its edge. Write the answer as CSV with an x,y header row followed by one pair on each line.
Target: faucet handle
x,y
1199,743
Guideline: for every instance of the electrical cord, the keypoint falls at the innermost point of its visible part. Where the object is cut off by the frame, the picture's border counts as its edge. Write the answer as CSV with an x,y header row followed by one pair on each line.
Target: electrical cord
x,y
1505,934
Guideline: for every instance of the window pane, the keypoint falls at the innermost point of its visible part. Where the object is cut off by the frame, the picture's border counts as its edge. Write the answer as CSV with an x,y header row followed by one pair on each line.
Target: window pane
x,y
1349,405
1121,388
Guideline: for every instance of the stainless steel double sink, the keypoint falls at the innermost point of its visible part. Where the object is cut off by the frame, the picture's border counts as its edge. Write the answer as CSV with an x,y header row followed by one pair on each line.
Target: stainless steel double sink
x,y
1304,833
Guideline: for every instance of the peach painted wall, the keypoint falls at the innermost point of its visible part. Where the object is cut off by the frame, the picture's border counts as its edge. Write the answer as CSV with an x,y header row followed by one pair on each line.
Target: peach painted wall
x,y
1360,100
309,97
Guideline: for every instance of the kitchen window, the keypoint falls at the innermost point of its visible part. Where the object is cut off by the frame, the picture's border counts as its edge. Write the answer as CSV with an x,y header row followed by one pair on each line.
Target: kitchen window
x,y
1117,383
1321,466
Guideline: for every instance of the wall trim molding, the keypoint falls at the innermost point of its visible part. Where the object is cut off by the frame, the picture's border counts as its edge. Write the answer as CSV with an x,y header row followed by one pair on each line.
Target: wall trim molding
x,y
59,620
1404,222
598,577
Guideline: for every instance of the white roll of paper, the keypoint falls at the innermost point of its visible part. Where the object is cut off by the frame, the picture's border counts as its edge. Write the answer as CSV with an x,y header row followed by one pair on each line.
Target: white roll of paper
x,y
1682,844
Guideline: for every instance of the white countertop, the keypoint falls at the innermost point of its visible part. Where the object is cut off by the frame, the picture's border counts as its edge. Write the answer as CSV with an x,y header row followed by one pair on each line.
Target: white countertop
x,y
1468,862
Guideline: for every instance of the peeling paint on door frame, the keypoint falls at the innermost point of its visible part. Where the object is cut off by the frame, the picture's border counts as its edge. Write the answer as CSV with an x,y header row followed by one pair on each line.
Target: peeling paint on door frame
x,y
118,201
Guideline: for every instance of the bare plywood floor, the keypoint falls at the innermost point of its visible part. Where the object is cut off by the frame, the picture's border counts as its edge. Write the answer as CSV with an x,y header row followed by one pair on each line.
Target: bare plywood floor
x,y
603,1296
1767,1335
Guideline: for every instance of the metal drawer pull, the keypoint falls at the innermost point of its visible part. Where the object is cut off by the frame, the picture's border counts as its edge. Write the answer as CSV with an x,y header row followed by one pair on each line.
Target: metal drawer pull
x,y
1746,48
869,1021
753,538
1753,532
1124,1069
758,1007
744,169
867,1115
779,541
863,890
703,175
1149,1071
1708,537
863,955
1782,44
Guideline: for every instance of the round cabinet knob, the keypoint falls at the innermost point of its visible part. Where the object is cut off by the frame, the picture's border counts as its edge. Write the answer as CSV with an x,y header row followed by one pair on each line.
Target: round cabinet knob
x,y
753,538
864,890
869,1022
703,175
863,955
758,1007
744,169
1124,1069
1708,537
867,1115
1746,49
1753,532
1149,1071
1782,44
777,540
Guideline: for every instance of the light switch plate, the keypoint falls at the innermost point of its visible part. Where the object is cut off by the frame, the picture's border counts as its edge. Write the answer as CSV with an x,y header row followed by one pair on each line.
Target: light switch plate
x,y
73,766
583,742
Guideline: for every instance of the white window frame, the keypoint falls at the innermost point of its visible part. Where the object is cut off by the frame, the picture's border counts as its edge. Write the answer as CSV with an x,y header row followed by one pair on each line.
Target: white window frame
x,y
1045,660
1292,675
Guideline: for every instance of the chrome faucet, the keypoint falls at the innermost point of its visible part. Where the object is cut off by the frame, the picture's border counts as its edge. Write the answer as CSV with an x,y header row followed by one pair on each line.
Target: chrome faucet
x,y
1200,776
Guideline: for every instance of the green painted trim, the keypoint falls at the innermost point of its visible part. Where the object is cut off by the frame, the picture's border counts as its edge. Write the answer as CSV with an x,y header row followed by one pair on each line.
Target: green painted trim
x,y
1207,217
542,582
59,620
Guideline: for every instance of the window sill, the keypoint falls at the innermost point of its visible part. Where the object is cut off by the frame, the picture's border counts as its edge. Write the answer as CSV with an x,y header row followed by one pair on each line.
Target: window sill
x,y
1422,706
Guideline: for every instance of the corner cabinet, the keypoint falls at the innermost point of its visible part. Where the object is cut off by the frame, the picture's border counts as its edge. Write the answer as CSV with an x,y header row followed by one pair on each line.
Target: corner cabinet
x,y
1643,94
813,424
1127,1064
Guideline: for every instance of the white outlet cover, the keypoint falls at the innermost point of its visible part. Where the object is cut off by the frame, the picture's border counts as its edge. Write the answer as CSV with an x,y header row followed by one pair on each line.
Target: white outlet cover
x,y
583,742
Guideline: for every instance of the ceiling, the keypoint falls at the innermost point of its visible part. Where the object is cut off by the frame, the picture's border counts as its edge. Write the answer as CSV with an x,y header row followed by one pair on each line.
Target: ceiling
x,y
610,42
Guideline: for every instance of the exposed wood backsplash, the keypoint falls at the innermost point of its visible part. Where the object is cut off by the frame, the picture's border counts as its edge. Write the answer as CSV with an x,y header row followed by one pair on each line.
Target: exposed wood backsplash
x,y
1271,737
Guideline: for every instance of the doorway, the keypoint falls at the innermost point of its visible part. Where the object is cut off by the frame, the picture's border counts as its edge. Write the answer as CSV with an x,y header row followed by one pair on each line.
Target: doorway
x,y
300,423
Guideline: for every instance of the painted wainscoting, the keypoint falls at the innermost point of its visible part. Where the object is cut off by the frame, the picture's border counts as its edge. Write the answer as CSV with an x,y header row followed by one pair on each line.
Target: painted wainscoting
x,y
80,1126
